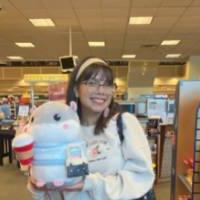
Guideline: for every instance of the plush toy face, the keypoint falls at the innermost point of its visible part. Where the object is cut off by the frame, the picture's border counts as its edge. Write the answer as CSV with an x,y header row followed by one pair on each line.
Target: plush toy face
x,y
54,123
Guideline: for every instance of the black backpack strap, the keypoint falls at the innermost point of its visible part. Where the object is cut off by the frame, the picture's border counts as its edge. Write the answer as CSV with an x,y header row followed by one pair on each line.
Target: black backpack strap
x,y
120,127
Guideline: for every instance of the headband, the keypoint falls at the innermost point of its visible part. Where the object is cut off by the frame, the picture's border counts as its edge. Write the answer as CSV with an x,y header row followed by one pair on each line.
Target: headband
x,y
88,63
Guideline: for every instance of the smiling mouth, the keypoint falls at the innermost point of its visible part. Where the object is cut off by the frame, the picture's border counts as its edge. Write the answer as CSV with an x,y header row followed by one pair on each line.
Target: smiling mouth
x,y
98,100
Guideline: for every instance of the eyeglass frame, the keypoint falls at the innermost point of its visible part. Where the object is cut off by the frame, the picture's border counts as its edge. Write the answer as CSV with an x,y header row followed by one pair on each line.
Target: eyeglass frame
x,y
96,85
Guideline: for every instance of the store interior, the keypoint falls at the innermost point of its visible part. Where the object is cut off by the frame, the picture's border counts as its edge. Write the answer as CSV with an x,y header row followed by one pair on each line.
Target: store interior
x,y
155,63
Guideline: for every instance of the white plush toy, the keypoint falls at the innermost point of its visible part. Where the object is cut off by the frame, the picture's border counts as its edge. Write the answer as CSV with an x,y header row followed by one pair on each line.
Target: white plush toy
x,y
52,146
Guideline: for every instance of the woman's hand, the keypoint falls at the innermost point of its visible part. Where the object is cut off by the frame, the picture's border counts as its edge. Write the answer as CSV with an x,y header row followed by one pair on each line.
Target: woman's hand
x,y
78,186
51,187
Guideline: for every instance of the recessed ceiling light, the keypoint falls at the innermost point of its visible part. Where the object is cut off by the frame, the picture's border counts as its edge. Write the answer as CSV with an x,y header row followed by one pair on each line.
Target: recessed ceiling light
x,y
140,20
128,56
173,55
47,22
24,44
15,57
96,44
170,42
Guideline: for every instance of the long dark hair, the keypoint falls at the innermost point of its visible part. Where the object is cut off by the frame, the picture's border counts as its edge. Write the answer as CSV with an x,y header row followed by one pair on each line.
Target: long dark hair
x,y
90,71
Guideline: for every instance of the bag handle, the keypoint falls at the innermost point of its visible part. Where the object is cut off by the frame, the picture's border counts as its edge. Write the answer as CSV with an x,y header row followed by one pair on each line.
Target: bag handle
x,y
120,127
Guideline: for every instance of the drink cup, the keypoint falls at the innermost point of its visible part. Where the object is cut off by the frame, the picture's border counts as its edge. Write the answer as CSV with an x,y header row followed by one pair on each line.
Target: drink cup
x,y
23,148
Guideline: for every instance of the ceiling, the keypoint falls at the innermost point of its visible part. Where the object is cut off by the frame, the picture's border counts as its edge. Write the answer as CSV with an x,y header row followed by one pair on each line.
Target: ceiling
x,y
100,20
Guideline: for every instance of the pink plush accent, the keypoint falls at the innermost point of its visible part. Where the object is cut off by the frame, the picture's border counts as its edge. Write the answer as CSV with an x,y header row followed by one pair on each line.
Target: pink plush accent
x,y
65,126
40,183
58,183
73,105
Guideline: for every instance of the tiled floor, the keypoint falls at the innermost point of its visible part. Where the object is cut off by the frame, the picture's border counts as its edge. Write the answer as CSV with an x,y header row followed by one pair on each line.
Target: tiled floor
x,y
13,185
163,191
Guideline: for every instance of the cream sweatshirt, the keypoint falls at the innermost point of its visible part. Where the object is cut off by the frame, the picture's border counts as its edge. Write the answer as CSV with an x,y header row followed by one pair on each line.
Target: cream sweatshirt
x,y
118,171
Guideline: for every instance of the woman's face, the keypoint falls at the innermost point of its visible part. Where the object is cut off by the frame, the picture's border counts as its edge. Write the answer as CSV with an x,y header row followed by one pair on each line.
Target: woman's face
x,y
94,94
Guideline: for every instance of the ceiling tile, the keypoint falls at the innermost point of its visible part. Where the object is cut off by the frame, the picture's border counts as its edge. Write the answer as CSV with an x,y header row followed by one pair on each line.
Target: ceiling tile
x,y
192,11
114,13
88,4
113,4
145,3
195,3
170,11
176,2
143,11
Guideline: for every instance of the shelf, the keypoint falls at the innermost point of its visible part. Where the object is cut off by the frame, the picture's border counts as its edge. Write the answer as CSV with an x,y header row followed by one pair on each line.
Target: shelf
x,y
185,182
154,143
187,135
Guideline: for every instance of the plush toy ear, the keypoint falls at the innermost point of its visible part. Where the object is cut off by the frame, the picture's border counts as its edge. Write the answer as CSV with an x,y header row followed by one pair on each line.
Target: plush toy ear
x,y
73,105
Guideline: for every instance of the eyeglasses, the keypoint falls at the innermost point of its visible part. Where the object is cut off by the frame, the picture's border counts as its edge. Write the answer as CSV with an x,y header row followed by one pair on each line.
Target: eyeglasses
x,y
92,84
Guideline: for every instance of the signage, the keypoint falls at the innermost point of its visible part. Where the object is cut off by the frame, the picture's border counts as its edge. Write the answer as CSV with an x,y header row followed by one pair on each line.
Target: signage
x,y
33,78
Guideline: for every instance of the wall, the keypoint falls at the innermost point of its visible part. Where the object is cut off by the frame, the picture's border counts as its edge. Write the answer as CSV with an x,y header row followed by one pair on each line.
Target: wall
x,y
137,91
193,68
11,77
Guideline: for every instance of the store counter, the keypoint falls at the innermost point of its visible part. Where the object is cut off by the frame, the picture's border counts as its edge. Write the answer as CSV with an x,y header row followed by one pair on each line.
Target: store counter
x,y
7,133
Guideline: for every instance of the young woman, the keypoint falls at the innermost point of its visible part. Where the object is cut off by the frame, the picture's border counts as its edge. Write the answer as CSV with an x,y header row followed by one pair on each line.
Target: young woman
x,y
119,170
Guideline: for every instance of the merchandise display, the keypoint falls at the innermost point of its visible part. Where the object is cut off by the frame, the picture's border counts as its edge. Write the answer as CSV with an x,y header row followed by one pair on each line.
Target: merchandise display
x,y
196,159
185,197
189,169
154,142
185,183
25,99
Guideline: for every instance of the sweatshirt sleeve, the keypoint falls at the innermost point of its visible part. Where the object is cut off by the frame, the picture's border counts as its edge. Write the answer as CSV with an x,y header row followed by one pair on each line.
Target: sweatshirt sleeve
x,y
136,177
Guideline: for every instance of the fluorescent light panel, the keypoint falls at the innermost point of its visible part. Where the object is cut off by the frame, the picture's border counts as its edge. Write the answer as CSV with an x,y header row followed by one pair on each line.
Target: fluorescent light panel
x,y
170,42
96,44
47,22
24,44
15,57
173,55
128,56
140,20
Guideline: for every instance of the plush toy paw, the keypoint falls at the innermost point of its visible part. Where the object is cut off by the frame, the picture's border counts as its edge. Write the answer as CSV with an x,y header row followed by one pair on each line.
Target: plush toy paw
x,y
40,183
58,183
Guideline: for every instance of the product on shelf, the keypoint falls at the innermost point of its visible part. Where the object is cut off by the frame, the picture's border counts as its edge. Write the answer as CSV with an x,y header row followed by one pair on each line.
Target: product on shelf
x,y
189,169
25,99
184,197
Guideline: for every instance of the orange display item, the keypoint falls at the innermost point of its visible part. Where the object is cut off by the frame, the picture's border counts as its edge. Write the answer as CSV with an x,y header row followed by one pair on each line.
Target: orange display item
x,y
25,99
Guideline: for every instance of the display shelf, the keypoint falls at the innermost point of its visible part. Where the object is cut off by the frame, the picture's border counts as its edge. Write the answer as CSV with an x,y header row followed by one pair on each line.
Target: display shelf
x,y
186,144
196,158
154,143
13,110
166,150
184,180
